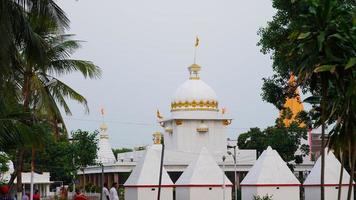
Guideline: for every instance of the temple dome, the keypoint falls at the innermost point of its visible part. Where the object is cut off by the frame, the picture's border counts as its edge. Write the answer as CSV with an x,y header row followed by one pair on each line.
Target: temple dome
x,y
194,94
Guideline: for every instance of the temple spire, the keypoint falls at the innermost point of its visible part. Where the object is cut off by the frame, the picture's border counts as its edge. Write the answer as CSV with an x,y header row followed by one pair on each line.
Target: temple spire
x,y
293,105
194,68
103,126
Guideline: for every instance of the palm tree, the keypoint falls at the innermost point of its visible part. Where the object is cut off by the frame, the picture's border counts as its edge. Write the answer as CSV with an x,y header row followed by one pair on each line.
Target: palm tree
x,y
16,29
49,92
44,93
32,53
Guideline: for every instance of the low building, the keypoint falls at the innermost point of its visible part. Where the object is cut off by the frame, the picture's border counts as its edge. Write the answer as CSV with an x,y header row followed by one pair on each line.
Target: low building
x,y
41,182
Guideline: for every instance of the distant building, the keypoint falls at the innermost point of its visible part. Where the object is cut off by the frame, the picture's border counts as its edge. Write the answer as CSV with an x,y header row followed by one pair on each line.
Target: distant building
x,y
41,182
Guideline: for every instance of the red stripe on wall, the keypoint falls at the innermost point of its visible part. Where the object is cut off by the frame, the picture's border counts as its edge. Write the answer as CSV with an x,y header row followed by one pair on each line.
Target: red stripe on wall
x,y
271,185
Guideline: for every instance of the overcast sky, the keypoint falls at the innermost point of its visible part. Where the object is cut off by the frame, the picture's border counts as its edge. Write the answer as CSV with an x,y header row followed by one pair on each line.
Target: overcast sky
x,y
144,48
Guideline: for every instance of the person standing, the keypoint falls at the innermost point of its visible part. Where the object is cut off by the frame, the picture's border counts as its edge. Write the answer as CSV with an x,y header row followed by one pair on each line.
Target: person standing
x,y
36,196
26,196
113,192
106,193
79,195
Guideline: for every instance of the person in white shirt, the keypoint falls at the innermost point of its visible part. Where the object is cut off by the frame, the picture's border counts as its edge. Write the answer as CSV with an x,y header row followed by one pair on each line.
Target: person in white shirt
x,y
113,192
106,194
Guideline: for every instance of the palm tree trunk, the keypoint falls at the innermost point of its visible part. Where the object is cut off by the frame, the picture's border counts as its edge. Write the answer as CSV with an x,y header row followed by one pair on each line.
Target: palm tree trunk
x,y
341,175
26,97
323,117
19,166
352,171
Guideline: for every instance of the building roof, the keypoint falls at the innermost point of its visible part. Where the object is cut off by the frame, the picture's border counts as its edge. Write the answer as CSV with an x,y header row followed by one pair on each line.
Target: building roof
x,y
332,171
270,169
194,94
146,172
194,90
37,178
105,154
203,171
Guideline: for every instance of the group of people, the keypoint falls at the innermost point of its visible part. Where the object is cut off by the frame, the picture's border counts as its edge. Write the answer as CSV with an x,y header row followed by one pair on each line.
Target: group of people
x,y
36,196
111,194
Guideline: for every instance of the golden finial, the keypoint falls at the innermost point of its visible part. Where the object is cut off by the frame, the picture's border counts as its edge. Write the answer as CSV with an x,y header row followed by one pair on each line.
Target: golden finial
x,y
195,48
158,115
195,68
157,138
103,126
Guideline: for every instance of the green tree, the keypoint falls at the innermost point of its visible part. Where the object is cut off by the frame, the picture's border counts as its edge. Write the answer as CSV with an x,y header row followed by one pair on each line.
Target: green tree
x,y
285,140
253,139
85,147
33,56
315,40
57,158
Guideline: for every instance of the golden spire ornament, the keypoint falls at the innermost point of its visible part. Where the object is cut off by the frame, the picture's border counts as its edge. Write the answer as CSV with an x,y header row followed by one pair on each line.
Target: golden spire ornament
x,y
195,68
196,47
158,115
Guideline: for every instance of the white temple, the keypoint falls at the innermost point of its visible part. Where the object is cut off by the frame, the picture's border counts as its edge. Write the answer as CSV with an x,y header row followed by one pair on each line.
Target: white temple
x,y
203,179
195,122
270,176
105,154
331,179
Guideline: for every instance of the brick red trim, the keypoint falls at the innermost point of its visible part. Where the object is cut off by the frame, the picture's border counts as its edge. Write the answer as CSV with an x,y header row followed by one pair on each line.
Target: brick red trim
x,y
204,185
271,185
327,184
147,186
189,185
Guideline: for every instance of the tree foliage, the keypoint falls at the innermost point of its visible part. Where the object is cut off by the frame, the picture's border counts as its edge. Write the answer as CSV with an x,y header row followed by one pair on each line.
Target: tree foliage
x,y
285,140
35,52
85,147
315,40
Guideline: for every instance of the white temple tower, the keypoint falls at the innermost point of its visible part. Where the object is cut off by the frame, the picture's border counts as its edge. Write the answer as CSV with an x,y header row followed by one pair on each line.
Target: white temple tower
x,y
203,179
105,154
195,118
142,183
270,176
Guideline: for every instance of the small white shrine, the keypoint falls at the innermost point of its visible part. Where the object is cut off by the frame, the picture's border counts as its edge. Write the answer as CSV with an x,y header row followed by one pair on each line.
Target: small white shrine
x,y
331,181
270,176
203,179
104,154
143,182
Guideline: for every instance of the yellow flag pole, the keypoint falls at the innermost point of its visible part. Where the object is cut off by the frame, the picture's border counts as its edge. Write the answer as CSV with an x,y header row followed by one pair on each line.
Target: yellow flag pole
x,y
195,49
